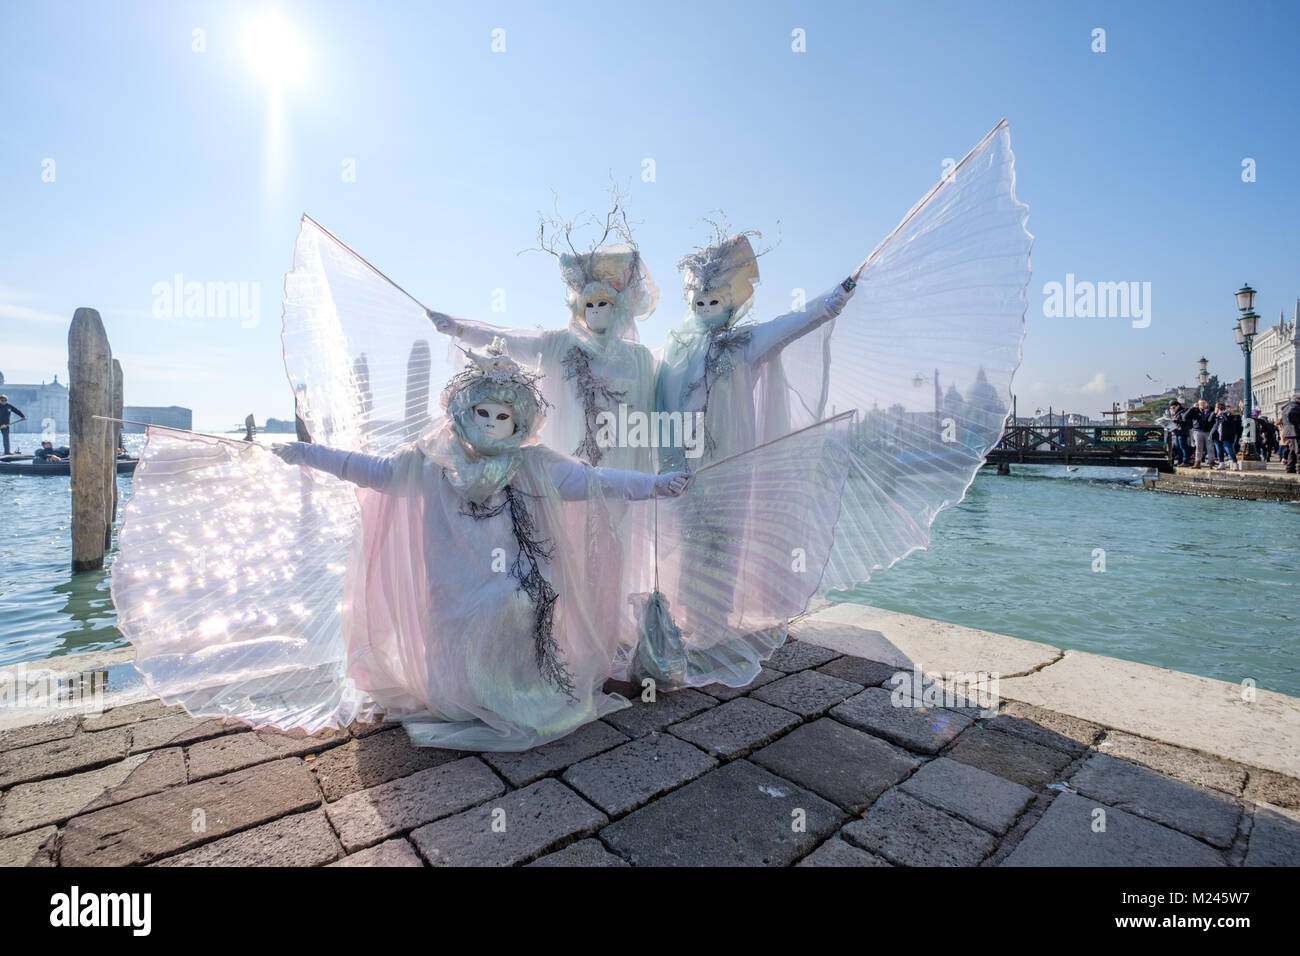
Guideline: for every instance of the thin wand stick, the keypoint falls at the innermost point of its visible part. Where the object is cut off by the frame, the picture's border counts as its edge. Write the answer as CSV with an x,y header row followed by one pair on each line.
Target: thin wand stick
x,y
365,261
183,431
723,461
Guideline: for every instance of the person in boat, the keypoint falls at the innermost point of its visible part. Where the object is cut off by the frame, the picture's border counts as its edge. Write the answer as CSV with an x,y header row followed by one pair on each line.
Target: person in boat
x,y
47,452
5,411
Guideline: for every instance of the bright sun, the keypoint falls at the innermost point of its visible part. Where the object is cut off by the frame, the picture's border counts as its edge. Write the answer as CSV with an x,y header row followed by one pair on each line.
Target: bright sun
x,y
274,50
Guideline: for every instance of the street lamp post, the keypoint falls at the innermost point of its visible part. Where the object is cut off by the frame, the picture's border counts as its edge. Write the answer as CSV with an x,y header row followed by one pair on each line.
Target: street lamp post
x,y
1244,332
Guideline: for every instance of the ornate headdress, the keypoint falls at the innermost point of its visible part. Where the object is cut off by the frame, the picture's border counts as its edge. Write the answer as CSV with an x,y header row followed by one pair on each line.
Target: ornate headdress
x,y
727,264
492,376
615,270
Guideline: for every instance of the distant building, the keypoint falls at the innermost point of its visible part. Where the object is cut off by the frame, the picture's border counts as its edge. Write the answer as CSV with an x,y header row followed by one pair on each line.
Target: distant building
x,y
981,407
173,416
1274,365
45,405
277,425
46,408
1056,418
1179,392
1053,418
1234,391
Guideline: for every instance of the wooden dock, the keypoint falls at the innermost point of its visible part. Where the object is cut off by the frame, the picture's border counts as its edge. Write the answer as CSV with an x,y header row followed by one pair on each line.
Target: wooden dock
x,y
1111,446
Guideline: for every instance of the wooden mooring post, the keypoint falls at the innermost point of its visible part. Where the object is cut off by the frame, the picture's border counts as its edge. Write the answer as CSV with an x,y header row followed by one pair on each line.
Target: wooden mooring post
x,y
92,390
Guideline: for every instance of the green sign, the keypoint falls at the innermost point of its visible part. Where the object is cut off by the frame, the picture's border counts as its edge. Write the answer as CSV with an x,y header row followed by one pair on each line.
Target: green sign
x,y
1145,435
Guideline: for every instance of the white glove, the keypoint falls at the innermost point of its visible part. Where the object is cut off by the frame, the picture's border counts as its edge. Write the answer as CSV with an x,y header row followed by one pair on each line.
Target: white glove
x,y
840,295
291,453
672,484
445,324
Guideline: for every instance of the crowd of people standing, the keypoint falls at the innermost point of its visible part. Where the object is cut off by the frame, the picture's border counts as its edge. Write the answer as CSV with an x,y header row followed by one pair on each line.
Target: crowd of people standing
x,y
1206,436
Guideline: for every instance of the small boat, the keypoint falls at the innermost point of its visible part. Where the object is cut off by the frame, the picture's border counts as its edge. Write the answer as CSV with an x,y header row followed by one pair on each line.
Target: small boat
x,y
125,466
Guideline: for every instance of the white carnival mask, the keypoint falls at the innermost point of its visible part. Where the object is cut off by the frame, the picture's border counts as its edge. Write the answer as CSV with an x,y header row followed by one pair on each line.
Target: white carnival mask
x,y
599,313
713,306
494,420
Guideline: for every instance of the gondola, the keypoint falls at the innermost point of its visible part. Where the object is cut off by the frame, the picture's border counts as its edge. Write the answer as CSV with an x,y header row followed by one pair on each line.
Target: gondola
x,y
125,466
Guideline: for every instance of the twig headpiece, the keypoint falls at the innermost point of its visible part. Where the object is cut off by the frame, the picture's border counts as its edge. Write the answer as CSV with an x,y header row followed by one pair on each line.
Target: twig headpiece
x,y
728,263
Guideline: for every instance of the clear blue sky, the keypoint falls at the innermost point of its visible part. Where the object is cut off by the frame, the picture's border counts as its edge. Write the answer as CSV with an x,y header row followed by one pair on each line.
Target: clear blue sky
x,y
1130,161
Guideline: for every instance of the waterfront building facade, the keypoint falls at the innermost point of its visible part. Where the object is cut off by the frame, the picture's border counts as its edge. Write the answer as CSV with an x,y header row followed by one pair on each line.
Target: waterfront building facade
x,y
44,404
46,408
1275,364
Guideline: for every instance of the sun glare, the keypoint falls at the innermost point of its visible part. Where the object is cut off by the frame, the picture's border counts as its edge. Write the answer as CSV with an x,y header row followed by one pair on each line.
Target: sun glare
x,y
274,50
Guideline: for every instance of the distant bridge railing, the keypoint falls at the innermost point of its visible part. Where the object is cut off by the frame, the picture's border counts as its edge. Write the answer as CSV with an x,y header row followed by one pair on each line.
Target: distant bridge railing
x,y
1118,446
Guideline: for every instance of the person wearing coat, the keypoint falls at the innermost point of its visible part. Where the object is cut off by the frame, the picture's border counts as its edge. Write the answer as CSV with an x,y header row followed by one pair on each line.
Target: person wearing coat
x,y
1182,429
1226,433
1201,420
1267,437
1290,422
6,410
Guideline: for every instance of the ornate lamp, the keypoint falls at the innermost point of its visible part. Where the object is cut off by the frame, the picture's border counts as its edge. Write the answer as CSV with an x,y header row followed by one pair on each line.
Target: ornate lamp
x,y
1244,332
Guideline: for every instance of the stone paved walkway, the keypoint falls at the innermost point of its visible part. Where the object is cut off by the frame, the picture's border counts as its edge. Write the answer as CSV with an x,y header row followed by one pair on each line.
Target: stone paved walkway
x,y
811,765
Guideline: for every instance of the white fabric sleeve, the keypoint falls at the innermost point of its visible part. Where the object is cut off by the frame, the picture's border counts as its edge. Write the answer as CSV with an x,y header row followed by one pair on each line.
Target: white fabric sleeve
x,y
519,342
772,336
369,471
570,477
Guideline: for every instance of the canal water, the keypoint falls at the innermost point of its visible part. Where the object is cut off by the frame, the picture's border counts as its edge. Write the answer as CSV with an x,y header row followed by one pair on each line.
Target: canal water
x,y
1085,560
1091,561
45,610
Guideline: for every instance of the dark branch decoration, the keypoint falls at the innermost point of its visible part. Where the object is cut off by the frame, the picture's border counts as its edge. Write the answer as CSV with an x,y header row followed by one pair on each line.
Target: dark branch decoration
x,y
717,365
525,569
577,366
699,259
615,224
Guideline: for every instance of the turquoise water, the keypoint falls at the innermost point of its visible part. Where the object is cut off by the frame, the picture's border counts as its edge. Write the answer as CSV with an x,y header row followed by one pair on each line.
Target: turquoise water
x,y
1204,585
45,609
1210,586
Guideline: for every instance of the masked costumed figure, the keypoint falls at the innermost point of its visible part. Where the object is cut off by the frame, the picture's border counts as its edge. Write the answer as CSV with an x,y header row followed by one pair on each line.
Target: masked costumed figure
x,y
725,374
597,376
599,381
474,657
725,382
443,582
938,303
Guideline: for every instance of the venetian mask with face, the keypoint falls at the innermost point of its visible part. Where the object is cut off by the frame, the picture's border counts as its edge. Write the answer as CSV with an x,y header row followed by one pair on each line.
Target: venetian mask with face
x,y
713,307
493,420
597,303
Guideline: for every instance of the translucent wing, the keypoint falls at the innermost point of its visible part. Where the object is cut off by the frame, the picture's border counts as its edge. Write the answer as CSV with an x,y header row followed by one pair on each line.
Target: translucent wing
x,y
925,351
228,583
739,555
364,360
232,565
